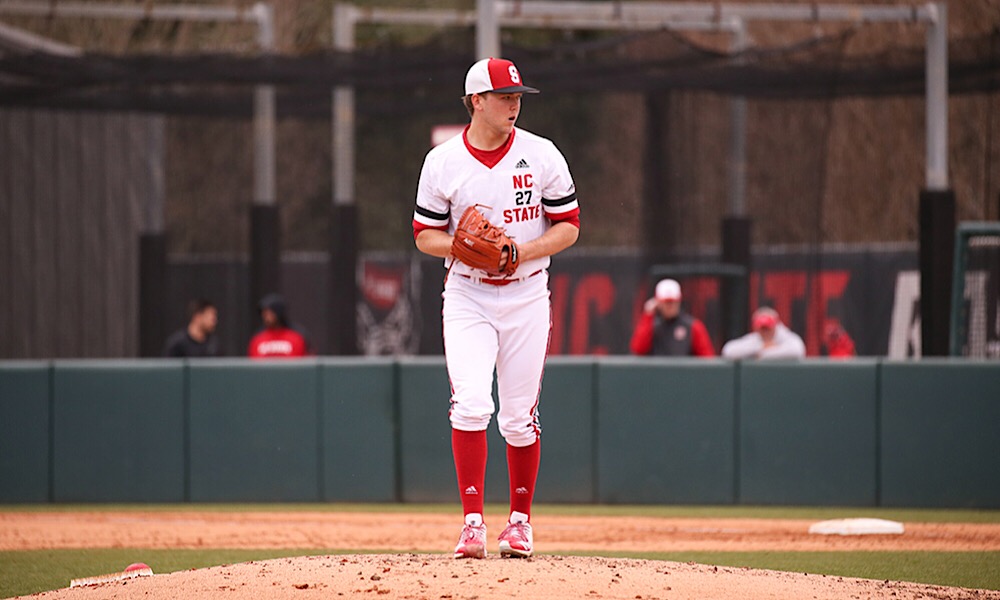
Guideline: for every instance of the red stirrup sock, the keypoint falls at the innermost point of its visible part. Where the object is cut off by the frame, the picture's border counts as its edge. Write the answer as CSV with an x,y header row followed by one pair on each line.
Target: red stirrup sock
x,y
470,449
522,466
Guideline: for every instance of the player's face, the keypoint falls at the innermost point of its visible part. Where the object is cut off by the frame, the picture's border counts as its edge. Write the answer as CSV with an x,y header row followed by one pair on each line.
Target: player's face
x,y
669,308
208,319
269,317
500,111
766,333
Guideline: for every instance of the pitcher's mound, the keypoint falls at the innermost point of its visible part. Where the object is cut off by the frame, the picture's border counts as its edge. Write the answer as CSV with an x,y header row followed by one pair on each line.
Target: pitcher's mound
x,y
436,577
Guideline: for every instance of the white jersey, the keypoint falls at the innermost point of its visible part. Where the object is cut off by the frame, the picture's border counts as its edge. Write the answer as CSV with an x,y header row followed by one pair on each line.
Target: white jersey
x,y
787,344
527,190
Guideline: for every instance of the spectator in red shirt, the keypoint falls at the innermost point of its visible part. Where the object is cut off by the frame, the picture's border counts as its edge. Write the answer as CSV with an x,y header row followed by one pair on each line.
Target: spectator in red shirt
x,y
836,341
278,338
666,330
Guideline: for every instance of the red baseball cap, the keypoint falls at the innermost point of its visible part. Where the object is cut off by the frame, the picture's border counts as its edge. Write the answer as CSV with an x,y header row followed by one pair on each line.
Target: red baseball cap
x,y
495,75
764,317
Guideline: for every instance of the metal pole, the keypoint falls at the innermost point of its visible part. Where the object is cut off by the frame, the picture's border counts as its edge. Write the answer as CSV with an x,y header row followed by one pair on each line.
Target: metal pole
x,y
265,217
344,18
98,10
487,30
344,238
12,37
937,98
263,118
738,135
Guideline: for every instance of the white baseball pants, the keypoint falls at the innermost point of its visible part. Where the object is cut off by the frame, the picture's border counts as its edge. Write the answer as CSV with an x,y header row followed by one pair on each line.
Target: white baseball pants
x,y
505,328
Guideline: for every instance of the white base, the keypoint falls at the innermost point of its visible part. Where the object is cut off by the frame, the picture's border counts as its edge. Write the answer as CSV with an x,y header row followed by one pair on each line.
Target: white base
x,y
857,527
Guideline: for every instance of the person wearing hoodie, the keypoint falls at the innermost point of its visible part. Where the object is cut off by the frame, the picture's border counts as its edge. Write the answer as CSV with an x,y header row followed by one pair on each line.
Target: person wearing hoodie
x,y
277,338
770,339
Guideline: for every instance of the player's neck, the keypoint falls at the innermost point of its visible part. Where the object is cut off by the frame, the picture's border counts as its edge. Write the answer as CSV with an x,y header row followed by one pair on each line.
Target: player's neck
x,y
483,137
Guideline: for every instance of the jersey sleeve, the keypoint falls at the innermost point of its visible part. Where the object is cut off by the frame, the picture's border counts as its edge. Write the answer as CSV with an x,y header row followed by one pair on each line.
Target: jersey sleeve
x,y
432,210
642,337
701,342
559,192
746,346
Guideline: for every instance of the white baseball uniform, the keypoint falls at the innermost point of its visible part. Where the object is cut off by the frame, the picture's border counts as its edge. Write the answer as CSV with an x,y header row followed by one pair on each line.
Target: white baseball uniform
x,y
490,322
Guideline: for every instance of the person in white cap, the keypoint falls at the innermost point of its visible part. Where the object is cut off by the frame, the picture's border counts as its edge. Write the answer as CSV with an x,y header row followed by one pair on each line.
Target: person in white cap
x,y
664,329
769,339
521,182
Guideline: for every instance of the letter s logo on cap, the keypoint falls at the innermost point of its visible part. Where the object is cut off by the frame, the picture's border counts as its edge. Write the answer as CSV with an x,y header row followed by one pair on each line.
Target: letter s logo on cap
x,y
515,77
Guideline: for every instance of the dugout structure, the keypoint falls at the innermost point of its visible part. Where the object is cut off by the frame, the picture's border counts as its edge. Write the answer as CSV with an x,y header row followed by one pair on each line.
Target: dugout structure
x,y
832,157
975,313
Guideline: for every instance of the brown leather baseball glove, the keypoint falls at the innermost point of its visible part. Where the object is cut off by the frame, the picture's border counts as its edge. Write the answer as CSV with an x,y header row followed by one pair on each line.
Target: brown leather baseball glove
x,y
480,244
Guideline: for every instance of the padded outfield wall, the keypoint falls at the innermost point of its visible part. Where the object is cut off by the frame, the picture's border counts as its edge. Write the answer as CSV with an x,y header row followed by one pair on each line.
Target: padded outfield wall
x,y
864,432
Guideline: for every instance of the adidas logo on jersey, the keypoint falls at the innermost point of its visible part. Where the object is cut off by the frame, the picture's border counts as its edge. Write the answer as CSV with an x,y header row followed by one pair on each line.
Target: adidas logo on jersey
x,y
471,491
521,164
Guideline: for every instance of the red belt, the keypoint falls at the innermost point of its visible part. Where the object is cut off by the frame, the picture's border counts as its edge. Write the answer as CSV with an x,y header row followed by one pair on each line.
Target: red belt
x,y
498,281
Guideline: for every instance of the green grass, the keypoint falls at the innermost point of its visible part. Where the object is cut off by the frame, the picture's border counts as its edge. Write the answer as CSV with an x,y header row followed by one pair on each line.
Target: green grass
x,y
912,515
32,571
29,572
962,569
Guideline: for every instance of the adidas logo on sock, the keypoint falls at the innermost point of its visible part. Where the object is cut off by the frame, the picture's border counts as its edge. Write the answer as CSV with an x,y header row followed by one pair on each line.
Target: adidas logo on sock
x,y
471,491
521,164
521,490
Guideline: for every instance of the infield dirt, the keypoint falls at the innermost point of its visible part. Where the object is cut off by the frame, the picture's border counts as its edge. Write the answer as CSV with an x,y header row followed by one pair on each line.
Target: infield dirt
x,y
413,559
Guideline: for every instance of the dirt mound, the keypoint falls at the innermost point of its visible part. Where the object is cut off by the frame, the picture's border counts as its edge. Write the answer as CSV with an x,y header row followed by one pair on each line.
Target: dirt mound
x,y
436,577
402,570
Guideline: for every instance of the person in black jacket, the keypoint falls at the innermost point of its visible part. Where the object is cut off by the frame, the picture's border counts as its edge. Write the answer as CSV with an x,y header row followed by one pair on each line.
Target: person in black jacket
x,y
665,329
197,340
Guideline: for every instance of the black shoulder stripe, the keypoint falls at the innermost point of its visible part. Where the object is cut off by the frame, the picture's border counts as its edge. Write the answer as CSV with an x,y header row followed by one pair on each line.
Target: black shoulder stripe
x,y
559,201
432,215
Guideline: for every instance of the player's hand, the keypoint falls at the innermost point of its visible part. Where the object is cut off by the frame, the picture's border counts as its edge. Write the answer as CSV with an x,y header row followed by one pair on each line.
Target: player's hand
x,y
504,255
649,306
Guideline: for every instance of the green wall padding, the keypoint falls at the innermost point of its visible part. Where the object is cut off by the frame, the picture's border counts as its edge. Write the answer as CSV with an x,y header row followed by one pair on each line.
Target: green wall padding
x,y
665,431
427,471
940,443
24,431
808,433
118,431
864,432
254,431
566,412
358,411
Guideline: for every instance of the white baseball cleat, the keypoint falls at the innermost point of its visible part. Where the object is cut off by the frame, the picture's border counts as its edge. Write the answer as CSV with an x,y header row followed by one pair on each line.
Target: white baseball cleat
x,y
472,543
516,541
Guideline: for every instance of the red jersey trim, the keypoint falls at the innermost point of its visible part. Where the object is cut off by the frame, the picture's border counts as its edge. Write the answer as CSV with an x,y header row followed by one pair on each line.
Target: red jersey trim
x,y
418,227
572,217
490,158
